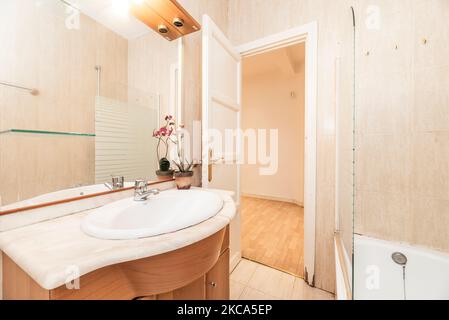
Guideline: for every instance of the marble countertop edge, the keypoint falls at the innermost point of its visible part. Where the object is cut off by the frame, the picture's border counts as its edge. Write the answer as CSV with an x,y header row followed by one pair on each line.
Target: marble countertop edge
x,y
54,252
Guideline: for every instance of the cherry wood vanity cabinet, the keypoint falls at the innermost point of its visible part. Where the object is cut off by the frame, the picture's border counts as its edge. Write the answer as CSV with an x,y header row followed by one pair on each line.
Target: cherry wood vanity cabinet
x,y
199,271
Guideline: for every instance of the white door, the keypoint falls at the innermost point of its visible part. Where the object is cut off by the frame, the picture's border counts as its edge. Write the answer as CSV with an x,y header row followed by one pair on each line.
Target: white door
x,y
221,105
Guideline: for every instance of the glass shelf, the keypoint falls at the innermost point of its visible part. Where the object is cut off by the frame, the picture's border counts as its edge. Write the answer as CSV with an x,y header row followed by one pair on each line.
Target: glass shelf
x,y
57,133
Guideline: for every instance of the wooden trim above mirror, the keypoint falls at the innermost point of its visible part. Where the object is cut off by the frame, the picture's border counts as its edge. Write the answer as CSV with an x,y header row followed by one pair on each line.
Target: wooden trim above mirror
x,y
167,17
62,201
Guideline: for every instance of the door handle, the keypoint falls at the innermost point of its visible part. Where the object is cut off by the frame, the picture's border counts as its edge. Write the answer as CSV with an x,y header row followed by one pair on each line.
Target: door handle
x,y
214,161
211,162
209,167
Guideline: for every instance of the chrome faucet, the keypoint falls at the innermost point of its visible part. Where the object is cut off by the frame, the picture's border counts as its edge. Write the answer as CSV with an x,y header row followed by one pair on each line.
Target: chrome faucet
x,y
141,192
118,182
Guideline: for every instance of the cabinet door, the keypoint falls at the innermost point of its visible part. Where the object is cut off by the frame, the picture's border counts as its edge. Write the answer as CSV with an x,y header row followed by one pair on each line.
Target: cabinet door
x,y
194,291
217,279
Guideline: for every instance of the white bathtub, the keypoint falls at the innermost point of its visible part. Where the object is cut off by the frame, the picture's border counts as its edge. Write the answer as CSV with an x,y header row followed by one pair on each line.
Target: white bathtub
x,y
376,276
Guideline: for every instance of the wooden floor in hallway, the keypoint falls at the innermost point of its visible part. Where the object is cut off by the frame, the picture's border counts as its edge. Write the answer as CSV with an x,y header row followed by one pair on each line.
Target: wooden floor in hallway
x,y
273,234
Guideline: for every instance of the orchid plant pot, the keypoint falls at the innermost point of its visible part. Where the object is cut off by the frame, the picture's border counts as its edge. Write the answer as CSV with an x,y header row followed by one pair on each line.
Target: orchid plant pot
x,y
166,135
164,175
183,180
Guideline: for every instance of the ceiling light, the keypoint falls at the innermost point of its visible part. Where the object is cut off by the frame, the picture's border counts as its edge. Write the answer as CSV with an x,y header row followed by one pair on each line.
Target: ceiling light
x,y
121,7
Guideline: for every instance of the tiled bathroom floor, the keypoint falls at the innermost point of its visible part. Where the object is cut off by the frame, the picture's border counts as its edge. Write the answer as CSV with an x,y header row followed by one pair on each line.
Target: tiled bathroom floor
x,y
253,281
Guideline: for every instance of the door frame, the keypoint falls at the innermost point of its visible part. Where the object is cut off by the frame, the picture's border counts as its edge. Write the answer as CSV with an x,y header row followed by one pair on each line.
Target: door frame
x,y
307,34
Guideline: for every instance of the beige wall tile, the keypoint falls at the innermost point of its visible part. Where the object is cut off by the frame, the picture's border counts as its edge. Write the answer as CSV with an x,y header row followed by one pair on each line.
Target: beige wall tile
x,y
430,166
430,112
150,59
430,223
383,163
382,26
384,215
430,23
384,103
39,164
393,6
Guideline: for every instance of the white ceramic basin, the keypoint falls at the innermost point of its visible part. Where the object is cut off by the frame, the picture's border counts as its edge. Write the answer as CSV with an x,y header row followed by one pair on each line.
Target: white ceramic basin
x,y
166,212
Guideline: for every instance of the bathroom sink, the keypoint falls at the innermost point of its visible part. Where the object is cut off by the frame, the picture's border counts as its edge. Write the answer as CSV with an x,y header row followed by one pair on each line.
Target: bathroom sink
x,y
166,212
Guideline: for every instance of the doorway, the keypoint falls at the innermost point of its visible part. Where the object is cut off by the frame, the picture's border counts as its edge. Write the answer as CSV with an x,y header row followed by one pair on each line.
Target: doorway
x,y
221,88
307,34
273,102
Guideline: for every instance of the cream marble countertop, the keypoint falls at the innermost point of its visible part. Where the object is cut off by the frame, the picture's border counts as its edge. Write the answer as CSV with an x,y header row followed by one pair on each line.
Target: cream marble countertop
x,y
50,251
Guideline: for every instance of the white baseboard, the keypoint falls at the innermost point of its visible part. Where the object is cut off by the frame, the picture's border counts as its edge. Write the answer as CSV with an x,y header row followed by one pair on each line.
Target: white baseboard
x,y
266,197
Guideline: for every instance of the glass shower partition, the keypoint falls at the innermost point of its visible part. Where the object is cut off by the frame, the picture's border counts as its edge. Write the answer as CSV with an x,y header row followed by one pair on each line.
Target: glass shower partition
x,y
345,155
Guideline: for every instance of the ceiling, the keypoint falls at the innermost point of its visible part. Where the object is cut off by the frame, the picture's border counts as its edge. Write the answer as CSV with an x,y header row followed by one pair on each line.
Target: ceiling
x,y
113,14
288,60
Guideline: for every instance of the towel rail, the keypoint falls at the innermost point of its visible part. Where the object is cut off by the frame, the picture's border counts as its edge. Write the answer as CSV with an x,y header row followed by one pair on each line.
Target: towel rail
x,y
32,91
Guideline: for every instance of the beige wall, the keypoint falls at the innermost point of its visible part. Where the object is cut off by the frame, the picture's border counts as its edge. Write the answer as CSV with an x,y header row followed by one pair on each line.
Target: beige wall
x,y
39,51
268,104
149,60
402,160
250,20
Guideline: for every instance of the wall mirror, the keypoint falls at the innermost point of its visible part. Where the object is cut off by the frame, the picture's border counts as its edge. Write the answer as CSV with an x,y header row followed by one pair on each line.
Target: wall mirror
x,y
83,84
